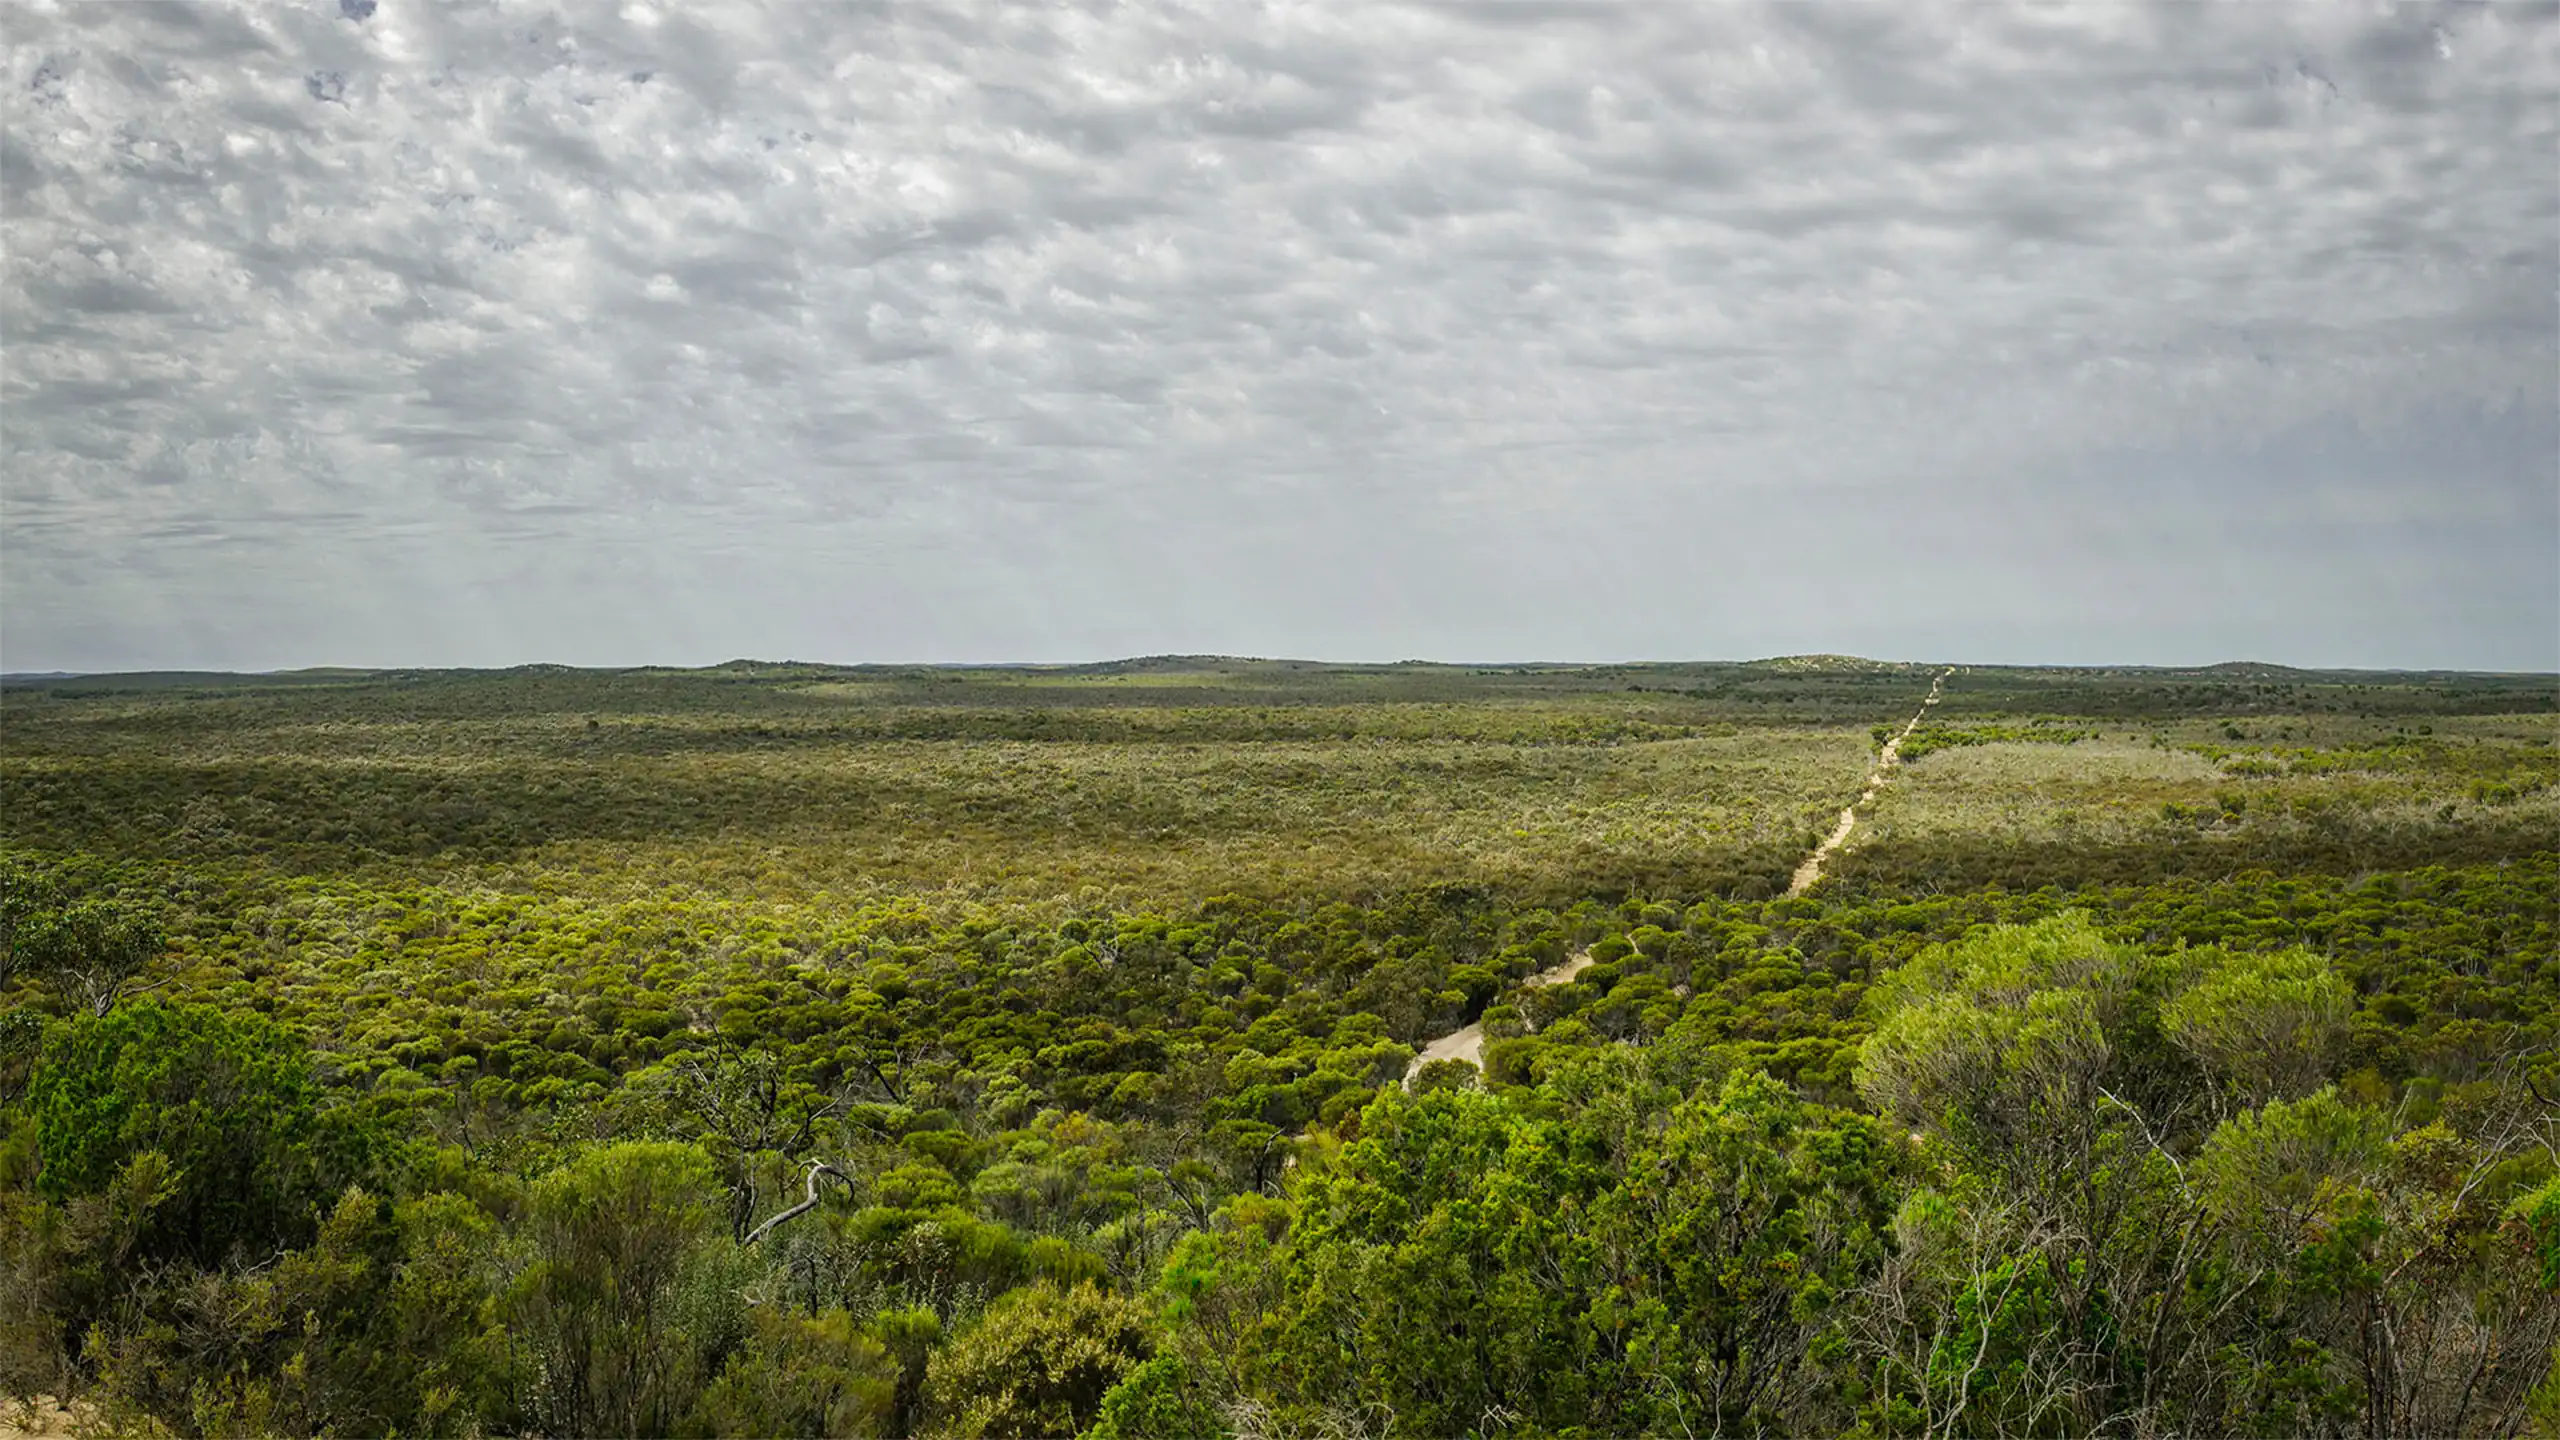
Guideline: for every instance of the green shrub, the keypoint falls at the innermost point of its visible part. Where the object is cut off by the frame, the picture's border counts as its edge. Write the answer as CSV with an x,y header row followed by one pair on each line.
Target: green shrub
x,y
226,1096
630,1299
803,1375
1039,1362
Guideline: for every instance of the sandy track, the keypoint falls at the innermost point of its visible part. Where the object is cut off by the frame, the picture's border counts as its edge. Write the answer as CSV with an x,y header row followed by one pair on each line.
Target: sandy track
x,y
1468,1044
1811,870
43,1419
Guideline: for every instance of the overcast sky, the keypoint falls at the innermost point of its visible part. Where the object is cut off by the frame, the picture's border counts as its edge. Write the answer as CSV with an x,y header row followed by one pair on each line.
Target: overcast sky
x,y
387,332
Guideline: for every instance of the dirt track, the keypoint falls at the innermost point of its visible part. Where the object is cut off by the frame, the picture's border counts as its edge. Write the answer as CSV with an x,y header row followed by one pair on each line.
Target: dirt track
x,y
1468,1044
1811,870
41,1420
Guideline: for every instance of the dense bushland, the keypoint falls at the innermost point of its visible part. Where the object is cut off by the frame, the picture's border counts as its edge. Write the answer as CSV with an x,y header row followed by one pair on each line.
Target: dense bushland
x,y
315,1135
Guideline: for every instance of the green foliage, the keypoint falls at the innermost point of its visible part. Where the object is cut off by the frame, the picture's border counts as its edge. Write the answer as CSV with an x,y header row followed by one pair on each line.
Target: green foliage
x,y
1157,1400
1277,783
92,945
1926,738
803,1375
383,1324
629,1299
444,1302
2272,1024
2080,1265
2278,1168
2195,1078
68,1266
226,1098
29,898
2001,1042
2538,1215
2542,1407
1464,1258
2004,1320
1039,1362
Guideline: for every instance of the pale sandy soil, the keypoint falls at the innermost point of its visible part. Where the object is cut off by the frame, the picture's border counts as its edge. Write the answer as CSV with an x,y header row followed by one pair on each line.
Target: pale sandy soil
x,y
1468,1044
1811,870
44,1420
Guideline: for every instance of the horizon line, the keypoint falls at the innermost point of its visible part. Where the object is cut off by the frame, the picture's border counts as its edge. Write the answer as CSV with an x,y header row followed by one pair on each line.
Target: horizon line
x,y
1833,658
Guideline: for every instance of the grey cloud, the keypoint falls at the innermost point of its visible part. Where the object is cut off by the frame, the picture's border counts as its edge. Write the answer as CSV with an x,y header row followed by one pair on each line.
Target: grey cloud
x,y
1022,287
206,31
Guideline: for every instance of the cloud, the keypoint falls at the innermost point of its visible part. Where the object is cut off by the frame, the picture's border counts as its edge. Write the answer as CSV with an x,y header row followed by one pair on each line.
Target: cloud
x,y
976,302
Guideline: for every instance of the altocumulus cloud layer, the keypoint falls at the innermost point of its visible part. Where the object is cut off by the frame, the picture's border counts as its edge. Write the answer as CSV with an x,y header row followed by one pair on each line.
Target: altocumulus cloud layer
x,y
383,331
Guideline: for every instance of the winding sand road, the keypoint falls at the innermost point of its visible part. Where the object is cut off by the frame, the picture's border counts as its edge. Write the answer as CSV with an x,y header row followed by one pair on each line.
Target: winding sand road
x,y
1468,1044
1811,870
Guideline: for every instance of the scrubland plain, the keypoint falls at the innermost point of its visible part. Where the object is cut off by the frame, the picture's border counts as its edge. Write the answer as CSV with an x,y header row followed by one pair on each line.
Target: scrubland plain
x,y
784,1049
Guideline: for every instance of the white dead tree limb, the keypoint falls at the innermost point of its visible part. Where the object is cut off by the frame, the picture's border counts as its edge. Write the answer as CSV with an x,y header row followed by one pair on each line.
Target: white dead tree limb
x,y
816,1169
